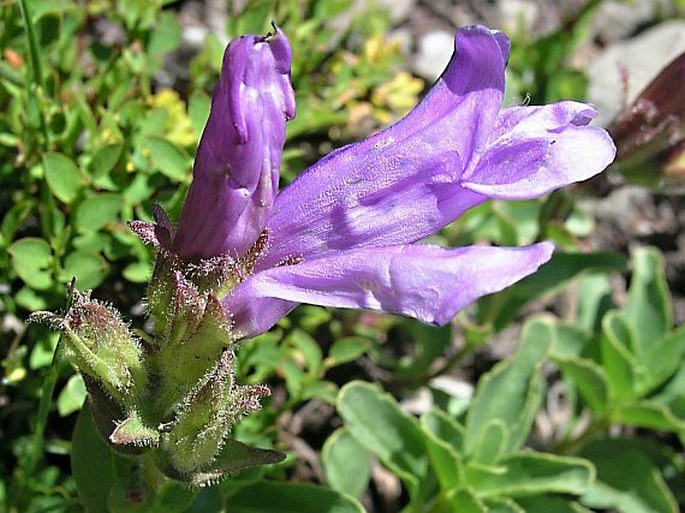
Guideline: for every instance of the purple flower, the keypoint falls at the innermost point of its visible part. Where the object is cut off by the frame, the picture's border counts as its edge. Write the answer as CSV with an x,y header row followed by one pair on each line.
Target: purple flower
x,y
343,233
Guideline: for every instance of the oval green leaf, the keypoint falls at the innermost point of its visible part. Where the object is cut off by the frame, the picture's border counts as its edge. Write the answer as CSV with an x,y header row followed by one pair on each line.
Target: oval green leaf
x,y
31,259
91,464
96,212
72,396
170,160
62,176
379,424
89,269
270,496
346,464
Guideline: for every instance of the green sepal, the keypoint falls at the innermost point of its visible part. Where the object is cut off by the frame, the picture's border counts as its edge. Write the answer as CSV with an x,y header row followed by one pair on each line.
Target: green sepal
x,y
187,309
133,431
179,366
101,346
160,295
233,457
106,414
204,419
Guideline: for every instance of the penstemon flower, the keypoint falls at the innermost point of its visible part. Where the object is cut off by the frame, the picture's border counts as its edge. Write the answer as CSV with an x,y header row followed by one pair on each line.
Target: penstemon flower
x,y
343,234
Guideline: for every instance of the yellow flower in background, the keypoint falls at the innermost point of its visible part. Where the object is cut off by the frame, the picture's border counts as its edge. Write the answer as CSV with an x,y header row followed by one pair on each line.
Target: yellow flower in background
x,y
379,46
396,97
178,126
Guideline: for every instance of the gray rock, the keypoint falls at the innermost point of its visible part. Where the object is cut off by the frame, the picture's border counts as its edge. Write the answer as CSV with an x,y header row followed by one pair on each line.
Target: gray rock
x,y
642,57
517,16
618,19
434,52
399,9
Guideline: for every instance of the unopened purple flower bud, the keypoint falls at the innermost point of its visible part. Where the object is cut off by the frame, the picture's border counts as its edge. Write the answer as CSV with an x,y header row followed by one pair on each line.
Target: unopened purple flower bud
x,y
235,176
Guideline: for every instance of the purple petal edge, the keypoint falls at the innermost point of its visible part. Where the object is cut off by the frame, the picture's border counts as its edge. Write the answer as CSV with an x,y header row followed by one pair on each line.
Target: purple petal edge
x,y
426,282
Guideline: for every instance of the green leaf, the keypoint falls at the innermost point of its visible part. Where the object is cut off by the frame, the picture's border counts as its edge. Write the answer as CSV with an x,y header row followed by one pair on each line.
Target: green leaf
x,y
594,300
491,442
40,8
503,506
443,438
293,377
378,423
626,480
96,212
562,268
346,350
172,497
139,189
663,358
14,217
465,501
89,270
31,300
207,500
522,217
620,365
31,260
511,392
91,464
438,423
270,496
137,489
590,379
137,272
62,176
252,20
170,160
673,393
331,9
93,242
550,505
569,340
346,464
648,309
532,473
198,110
305,349
43,350
72,397
648,414
316,388
103,162
166,36
431,342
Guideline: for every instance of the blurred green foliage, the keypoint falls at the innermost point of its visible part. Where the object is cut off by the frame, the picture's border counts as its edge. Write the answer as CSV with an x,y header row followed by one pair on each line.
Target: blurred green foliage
x,y
92,133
